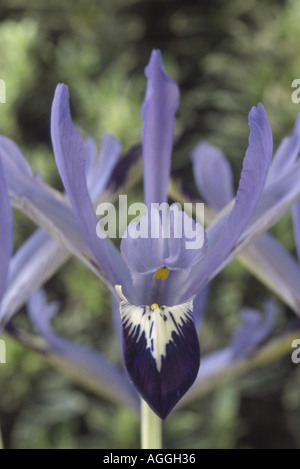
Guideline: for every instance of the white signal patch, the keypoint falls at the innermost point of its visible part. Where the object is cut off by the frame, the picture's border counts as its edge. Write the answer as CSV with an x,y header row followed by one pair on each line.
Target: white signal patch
x,y
157,323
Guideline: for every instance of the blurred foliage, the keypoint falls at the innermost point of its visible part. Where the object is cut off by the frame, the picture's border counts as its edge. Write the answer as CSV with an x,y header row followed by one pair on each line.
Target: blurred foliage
x,y
226,57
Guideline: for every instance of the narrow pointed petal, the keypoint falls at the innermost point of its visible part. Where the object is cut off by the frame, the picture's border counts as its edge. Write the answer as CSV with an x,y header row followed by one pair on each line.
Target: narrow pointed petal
x,y
88,363
296,223
103,169
158,114
284,157
70,153
213,175
253,178
6,226
161,352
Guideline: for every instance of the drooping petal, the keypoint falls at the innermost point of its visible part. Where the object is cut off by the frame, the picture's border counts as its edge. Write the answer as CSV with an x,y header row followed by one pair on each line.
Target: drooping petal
x,y
251,334
69,151
296,224
273,265
6,227
84,360
158,114
213,175
253,178
161,351
30,267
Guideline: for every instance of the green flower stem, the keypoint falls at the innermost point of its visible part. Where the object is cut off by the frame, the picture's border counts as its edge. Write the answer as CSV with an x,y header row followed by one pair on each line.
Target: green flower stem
x,y
151,428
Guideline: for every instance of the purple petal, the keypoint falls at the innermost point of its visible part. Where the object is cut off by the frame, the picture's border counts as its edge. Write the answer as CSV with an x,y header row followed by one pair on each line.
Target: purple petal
x,y
87,361
213,175
104,166
161,352
253,331
30,267
158,114
70,153
296,224
252,181
199,306
272,264
6,224
284,157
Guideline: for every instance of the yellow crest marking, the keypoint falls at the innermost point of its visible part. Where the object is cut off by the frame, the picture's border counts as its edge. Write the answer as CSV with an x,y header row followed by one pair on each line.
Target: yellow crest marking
x,y
161,273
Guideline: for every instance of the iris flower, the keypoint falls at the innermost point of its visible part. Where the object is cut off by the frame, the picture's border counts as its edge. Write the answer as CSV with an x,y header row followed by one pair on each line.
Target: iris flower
x,y
150,277
157,281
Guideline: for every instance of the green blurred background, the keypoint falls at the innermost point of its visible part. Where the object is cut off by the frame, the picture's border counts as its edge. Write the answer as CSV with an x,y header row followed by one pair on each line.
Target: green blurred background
x,y
226,57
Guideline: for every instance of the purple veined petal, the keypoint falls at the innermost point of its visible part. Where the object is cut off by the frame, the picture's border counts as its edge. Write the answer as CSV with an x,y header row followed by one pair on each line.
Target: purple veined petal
x,y
161,351
30,267
158,115
90,161
160,265
70,153
296,224
87,361
213,175
6,224
255,170
284,158
165,235
103,169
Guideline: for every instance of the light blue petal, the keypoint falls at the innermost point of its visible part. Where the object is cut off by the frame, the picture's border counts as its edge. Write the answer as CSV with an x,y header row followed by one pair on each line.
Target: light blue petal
x,y
70,154
255,170
213,175
158,114
30,267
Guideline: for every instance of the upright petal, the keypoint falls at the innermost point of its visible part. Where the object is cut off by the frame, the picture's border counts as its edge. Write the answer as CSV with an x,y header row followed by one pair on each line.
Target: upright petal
x,y
255,170
6,224
213,175
104,166
158,114
284,157
69,151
